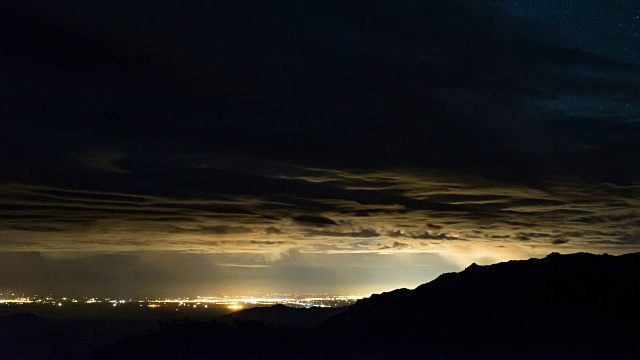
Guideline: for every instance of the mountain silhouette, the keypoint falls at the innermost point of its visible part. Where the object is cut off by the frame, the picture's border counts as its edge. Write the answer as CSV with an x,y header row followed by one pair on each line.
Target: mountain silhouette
x,y
579,303
577,306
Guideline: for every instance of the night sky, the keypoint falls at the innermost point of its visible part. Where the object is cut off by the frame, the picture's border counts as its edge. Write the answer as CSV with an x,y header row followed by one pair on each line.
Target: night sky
x,y
201,147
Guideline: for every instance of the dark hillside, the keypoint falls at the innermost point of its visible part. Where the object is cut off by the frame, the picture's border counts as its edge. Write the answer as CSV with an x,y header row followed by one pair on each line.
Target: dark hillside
x,y
568,301
285,315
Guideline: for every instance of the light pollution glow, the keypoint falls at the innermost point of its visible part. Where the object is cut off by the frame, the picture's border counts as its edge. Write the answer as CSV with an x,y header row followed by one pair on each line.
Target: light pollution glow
x,y
370,232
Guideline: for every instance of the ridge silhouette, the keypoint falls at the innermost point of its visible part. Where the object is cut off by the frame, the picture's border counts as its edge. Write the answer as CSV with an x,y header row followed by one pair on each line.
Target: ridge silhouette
x,y
560,300
577,306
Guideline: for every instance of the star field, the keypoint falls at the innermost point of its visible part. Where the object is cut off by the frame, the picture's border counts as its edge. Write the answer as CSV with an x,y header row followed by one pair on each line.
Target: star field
x,y
608,27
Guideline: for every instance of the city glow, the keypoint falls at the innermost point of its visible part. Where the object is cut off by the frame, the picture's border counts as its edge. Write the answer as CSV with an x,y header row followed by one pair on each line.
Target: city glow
x,y
230,302
18,301
243,301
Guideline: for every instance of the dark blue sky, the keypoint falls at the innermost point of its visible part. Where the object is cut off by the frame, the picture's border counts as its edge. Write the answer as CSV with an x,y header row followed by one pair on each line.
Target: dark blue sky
x,y
608,27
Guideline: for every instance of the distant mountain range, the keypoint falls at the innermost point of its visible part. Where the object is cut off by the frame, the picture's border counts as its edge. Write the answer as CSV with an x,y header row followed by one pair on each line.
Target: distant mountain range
x,y
578,306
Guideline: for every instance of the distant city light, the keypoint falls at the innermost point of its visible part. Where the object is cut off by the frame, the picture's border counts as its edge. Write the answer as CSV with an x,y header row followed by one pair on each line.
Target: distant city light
x,y
230,302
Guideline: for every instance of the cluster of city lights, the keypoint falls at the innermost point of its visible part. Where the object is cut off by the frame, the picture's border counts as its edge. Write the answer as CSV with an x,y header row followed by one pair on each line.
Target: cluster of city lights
x,y
231,302
237,303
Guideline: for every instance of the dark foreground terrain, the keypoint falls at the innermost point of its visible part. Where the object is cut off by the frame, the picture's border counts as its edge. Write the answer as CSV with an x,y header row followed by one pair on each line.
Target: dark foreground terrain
x,y
578,306
28,336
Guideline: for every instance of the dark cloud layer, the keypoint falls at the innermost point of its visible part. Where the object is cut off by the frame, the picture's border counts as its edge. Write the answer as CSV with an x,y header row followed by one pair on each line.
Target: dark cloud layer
x,y
310,127
391,206
345,83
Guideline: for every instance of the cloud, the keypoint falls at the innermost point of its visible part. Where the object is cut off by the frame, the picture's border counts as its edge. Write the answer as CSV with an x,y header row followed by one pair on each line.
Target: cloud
x,y
36,228
290,257
314,220
399,245
493,135
499,73
427,235
270,243
226,230
396,245
366,202
433,236
105,160
531,235
273,231
245,265
364,233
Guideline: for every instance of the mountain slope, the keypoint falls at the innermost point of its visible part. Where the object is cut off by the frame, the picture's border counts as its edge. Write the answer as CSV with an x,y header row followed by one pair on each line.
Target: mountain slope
x,y
566,301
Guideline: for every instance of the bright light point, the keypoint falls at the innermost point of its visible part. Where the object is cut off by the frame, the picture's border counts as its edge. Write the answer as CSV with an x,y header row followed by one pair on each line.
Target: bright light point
x,y
59,304
235,307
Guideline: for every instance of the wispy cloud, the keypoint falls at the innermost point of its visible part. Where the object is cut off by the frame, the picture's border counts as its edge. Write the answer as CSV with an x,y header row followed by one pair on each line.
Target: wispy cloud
x,y
106,160
425,211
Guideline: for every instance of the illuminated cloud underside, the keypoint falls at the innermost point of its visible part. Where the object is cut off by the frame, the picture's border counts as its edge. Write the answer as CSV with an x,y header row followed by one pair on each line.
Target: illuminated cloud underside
x,y
327,211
